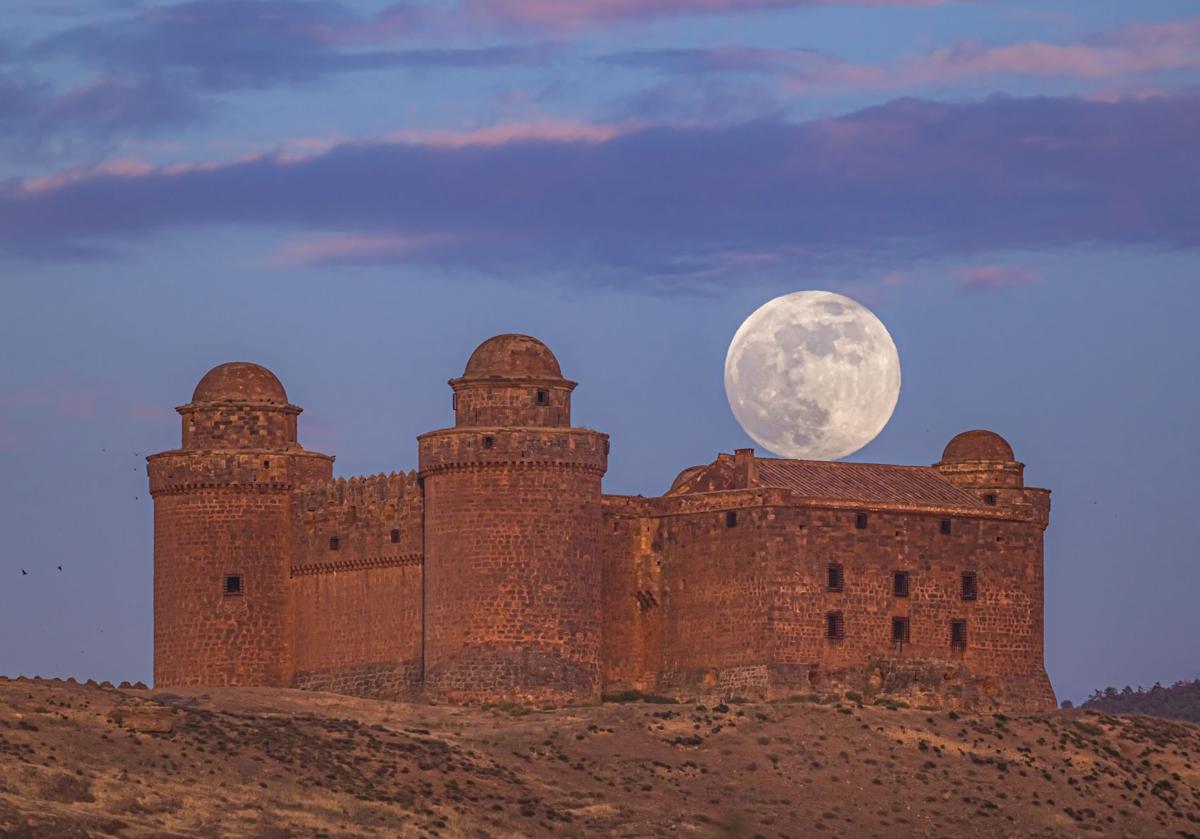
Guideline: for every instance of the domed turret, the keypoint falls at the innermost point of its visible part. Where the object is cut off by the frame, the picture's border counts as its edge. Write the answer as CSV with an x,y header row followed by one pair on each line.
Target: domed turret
x,y
239,405
512,535
223,533
978,445
240,382
512,356
512,381
982,462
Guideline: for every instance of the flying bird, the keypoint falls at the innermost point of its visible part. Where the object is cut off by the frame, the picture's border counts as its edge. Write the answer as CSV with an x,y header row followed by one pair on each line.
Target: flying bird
x,y
24,573
60,568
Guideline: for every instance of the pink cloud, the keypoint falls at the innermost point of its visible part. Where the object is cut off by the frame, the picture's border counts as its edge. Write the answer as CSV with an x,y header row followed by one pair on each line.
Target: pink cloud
x,y
351,249
552,131
1133,50
994,277
73,401
564,14
152,414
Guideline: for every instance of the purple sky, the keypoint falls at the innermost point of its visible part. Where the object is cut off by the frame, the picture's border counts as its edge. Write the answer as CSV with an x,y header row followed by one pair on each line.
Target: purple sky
x,y
355,194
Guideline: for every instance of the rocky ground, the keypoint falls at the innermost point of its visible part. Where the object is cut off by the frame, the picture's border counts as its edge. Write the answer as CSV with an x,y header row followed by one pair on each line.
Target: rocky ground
x,y
92,761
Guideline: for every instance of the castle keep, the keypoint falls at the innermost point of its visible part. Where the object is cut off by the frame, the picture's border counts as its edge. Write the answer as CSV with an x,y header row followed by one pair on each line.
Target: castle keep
x,y
500,571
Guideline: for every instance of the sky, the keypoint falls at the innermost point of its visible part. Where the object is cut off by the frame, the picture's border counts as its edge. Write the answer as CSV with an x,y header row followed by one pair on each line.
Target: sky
x,y
356,194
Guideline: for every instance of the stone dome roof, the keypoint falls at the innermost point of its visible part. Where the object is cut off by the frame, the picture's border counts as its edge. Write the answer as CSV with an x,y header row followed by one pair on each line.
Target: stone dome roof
x,y
240,381
978,445
512,356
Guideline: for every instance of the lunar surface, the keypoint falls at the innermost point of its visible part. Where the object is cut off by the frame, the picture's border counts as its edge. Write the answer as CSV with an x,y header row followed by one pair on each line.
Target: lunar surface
x,y
812,375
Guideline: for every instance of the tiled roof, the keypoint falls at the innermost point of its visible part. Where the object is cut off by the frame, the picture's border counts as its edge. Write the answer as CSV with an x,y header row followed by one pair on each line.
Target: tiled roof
x,y
867,482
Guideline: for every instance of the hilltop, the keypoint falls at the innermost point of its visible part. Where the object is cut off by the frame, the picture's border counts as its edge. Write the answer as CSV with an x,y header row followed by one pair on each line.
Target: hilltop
x,y
1181,701
89,761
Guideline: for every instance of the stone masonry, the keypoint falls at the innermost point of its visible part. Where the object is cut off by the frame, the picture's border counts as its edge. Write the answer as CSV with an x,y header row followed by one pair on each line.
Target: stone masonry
x,y
499,571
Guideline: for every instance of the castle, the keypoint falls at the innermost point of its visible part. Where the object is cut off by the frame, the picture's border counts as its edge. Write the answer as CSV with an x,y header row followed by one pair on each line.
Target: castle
x,y
500,571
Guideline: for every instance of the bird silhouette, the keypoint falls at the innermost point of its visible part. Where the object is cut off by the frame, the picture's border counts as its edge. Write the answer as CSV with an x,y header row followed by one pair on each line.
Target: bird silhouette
x,y
60,568
24,573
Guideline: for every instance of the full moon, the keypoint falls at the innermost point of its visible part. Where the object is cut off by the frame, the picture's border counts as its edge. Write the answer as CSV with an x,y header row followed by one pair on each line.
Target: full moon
x,y
812,375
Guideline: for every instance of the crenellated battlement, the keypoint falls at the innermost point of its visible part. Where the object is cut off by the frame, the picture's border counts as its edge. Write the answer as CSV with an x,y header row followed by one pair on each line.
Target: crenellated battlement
x,y
360,491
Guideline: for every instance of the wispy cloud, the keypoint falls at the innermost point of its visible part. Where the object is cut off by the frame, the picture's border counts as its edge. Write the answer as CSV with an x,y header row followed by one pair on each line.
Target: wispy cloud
x,y
222,45
995,277
911,177
574,15
1128,51
353,249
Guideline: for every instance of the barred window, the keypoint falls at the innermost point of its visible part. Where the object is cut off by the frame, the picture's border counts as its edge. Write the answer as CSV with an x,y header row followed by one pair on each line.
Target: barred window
x,y
860,521
970,585
900,630
835,578
835,626
334,543
990,499
233,584
945,527
395,536
543,397
958,635
900,583
731,518
488,442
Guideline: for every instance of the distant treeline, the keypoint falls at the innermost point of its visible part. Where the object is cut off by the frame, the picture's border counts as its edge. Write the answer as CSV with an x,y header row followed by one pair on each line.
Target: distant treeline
x,y
1181,701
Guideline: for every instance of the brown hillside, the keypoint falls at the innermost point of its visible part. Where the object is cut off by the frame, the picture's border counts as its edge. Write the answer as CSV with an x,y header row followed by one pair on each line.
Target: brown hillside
x,y
86,761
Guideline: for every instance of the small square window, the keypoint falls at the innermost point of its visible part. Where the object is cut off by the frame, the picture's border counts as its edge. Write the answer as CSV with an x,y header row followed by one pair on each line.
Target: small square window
x,y
334,543
946,527
488,442
860,521
395,536
233,585
970,585
835,626
836,578
266,464
900,630
990,499
900,581
731,518
543,397
958,635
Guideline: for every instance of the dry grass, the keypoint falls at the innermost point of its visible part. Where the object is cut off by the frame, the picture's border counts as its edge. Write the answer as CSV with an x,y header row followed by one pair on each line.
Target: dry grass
x,y
85,761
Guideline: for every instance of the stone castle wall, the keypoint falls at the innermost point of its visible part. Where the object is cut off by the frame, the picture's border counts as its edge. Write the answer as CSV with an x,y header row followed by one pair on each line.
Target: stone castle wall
x,y
356,577
702,602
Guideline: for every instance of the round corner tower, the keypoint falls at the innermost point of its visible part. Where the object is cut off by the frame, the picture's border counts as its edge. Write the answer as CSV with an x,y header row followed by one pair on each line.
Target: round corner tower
x,y
223,533
512,530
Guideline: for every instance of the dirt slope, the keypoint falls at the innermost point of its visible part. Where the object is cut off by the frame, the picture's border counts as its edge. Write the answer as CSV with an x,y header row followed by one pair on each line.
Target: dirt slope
x,y
87,761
